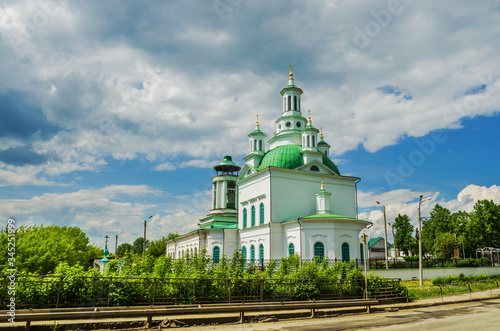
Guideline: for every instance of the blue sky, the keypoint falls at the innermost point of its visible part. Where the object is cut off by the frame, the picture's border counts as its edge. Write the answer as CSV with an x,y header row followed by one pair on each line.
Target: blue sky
x,y
112,112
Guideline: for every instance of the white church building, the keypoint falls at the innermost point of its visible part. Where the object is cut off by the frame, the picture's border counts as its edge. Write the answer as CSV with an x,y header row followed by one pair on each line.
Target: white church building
x,y
288,199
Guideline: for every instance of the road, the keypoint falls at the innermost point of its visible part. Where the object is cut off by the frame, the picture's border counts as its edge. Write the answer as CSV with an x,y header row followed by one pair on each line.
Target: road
x,y
483,315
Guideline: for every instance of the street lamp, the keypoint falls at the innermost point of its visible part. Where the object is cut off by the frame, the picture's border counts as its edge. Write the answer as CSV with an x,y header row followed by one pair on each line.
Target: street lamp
x,y
385,238
144,242
394,239
420,270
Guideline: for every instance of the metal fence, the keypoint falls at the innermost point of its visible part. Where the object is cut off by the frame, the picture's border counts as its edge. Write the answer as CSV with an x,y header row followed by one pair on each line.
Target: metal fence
x,y
428,263
59,291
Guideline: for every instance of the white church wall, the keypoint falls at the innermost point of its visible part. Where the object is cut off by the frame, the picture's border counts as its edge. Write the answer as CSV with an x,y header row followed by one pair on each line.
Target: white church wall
x,y
256,236
294,194
230,242
253,192
291,235
215,238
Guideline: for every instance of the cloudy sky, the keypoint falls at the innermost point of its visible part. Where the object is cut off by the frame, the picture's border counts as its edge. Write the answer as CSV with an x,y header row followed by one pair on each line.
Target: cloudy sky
x,y
114,111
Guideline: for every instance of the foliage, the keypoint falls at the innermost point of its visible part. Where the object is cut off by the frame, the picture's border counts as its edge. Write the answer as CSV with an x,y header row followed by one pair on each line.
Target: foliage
x,y
138,247
123,248
445,245
40,249
403,234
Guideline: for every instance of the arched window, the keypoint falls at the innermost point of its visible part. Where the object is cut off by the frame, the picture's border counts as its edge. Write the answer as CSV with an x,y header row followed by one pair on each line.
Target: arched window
x,y
295,102
260,145
261,213
244,218
196,250
314,168
345,252
244,253
308,141
253,215
284,103
291,249
313,141
362,253
289,102
261,254
319,250
216,254
252,254
255,144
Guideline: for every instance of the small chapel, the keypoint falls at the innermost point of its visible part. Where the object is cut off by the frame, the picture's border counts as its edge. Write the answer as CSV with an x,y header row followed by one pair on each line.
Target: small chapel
x,y
289,198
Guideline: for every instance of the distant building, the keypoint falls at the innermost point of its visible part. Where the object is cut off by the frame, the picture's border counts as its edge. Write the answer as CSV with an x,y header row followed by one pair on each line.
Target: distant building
x,y
290,199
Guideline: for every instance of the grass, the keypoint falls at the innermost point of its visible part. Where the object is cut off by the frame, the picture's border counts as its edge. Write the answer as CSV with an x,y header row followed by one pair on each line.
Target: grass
x,y
428,291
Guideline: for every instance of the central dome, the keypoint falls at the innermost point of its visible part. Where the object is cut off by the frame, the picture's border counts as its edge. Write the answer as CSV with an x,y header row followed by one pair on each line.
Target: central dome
x,y
290,157
286,156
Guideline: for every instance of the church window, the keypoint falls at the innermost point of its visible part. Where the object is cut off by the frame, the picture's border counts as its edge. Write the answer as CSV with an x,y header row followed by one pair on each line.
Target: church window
x,y
291,249
289,102
298,124
249,172
288,124
255,145
261,254
253,216
362,253
244,253
295,102
231,195
252,254
260,145
216,255
215,195
308,141
303,141
345,252
313,142
284,103
244,218
319,250
314,168
196,250
261,213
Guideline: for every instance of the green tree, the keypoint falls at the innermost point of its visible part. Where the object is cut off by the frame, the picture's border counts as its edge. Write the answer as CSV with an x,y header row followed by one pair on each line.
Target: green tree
x,y
438,223
483,228
445,244
138,245
40,249
403,234
123,248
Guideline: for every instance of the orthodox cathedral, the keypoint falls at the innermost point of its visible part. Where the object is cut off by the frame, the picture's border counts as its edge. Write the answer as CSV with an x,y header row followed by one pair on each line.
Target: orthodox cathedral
x,y
290,199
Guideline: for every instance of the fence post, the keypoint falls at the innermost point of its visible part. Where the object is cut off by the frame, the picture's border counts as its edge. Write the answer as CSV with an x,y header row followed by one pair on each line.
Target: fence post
x,y
154,291
261,289
290,291
59,290
109,289
340,289
229,296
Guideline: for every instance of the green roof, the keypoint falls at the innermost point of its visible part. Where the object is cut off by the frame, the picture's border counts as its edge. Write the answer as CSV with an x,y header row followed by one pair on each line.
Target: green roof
x,y
220,225
310,127
287,156
329,163
318,216
322,143
290,157
254,132
373,241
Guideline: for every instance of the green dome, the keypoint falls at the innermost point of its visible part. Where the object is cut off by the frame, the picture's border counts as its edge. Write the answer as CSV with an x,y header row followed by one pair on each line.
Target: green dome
x,y
287,156
290,157
329,163
322,143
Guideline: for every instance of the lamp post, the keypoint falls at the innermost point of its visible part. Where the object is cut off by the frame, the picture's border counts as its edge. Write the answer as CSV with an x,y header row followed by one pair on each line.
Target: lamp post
x,y
385,238
144,242
394,239
420,269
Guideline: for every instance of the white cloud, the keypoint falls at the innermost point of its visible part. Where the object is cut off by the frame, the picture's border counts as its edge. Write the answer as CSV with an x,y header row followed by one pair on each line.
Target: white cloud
x,y
165,166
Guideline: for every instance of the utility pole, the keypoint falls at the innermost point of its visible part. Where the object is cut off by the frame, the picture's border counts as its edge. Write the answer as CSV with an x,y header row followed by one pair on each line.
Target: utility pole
x,y
385,238
420,269
144,242
116,243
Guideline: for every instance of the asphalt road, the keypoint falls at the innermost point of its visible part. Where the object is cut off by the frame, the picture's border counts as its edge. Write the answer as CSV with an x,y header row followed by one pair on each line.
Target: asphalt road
x,y
483,315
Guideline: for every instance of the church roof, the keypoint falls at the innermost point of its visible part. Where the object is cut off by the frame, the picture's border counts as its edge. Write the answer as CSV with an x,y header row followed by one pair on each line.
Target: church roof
x,y
290,157
287,156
